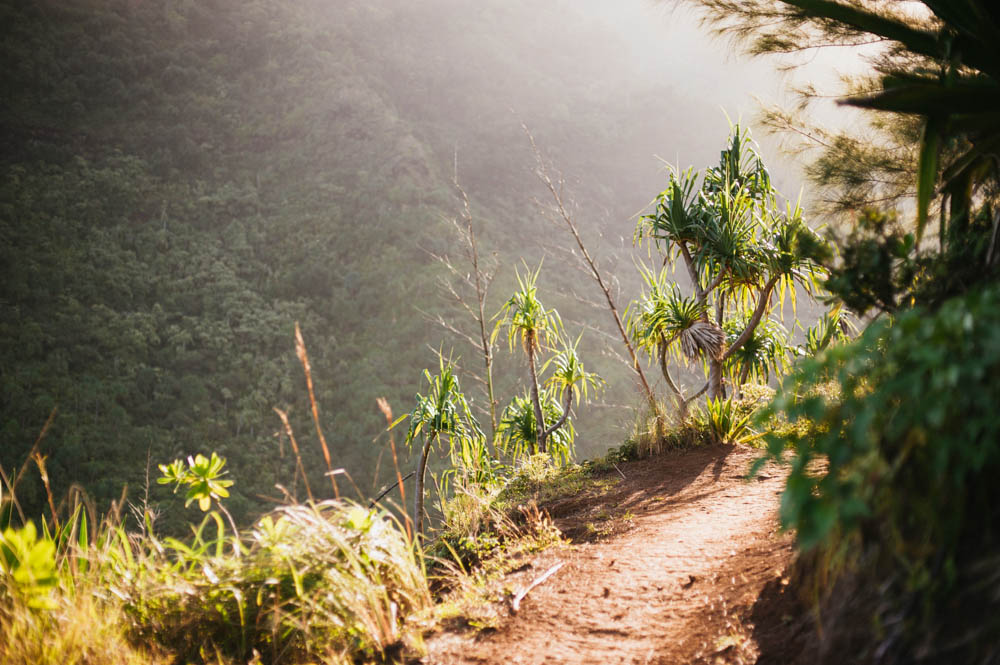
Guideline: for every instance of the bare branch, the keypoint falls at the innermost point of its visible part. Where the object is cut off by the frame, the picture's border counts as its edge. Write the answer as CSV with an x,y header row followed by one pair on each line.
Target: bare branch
x,y
542,171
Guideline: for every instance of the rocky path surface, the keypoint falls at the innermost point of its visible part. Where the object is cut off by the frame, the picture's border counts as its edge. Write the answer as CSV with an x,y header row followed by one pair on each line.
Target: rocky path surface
x,y
697,577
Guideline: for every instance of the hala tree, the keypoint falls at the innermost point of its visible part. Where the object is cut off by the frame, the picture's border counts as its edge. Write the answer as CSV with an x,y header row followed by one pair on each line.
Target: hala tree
x,y
741,252
569,381
933,93
442,414
528,321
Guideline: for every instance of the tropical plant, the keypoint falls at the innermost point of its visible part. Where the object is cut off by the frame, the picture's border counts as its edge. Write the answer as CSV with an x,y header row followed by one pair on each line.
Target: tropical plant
x,y
205,484
766,349
664,316
834,327
442,413
726,424
529,323
933,92
740,250
518,431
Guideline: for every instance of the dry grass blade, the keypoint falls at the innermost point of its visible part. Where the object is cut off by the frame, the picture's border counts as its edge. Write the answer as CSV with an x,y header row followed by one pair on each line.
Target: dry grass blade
x,y
39,460
295,449
34,449
300,350
386,409
13,497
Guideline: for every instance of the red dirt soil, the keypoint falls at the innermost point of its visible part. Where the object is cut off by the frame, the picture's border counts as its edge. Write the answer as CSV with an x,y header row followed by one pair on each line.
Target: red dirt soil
x,y
698,578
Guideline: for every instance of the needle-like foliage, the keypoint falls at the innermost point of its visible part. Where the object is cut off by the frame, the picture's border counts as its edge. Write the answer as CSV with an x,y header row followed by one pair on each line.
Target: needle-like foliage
x,y
932,96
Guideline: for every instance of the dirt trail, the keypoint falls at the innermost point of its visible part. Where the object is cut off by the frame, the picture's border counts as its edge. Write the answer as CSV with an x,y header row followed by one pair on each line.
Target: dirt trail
x,y
683,585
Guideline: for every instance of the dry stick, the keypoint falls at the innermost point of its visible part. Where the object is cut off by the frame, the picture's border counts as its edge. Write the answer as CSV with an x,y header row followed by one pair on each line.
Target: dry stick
x,y
390,488
300,350
13,497
482,284
543,175
34,449
40,463
386,409
295,449
516,605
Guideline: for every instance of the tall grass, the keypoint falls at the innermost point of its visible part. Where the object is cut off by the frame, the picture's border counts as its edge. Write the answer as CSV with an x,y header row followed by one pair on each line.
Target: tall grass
x,y
330,582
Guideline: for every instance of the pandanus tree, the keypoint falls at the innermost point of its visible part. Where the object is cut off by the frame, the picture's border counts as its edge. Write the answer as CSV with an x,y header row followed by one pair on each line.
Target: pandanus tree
x,y
933,90
741,252
443,413
536,328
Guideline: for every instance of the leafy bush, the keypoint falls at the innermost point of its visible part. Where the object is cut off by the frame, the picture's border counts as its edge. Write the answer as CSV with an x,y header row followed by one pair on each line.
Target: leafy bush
x,y
911,447
55,608
28,567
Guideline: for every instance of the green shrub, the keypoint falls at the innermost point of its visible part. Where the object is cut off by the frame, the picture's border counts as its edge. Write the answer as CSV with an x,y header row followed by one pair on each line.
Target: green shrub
x,y
27,568
911,448
725,423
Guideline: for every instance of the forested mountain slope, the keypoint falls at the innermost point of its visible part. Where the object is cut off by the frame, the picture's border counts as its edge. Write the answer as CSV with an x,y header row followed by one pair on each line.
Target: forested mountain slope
x,y
183,181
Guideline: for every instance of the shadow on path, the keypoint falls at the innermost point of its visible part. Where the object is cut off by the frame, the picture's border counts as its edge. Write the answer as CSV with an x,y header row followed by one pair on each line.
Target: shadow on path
x,y
653,485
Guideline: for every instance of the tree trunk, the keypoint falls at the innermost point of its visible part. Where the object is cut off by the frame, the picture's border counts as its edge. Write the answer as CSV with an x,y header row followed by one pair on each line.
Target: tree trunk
x,y
537,404
738,388
565,415
418,500
715,387
678,395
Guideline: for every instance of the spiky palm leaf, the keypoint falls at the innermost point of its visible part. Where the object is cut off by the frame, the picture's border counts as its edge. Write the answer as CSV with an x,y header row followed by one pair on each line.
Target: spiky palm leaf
x,y
832,328
525,318
444,410
663,313
569,375
766,350
677,216
518,430
730,242
740,168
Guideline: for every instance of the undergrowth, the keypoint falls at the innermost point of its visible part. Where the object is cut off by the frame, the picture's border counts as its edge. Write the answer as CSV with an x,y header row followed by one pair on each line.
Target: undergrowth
x,y
331,582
